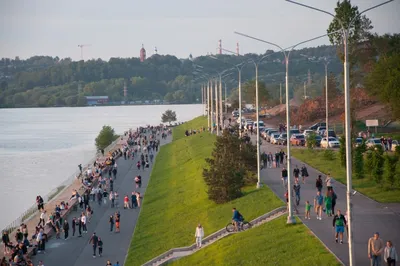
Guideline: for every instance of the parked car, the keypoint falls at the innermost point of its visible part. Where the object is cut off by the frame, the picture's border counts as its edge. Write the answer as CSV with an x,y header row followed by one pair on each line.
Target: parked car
x,y
260,122
274,138
331,143
295,131
249,123
265,134
395,143
235,114
331,133
298,140
358,142
373,143
318,139
270,134
317,125
282,140
320,130
308,132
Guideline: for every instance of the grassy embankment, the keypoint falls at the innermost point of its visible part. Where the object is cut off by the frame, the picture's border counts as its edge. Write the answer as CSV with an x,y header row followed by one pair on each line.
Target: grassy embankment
x,y
367,186
273,243
176,201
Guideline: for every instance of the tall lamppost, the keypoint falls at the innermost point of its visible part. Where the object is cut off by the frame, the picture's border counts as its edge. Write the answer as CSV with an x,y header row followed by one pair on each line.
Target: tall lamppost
x,y
286,52
345,32
239,68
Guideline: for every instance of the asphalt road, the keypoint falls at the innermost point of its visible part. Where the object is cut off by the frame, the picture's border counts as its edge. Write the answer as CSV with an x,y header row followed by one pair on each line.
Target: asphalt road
x,y
369,216
77,250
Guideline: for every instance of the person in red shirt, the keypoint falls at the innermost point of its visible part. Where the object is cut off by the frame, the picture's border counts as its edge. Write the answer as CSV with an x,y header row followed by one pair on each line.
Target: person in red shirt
x,y
126,202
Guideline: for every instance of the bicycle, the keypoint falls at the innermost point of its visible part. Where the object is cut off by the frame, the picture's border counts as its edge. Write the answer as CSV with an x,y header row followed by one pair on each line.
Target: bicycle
x,y
244,225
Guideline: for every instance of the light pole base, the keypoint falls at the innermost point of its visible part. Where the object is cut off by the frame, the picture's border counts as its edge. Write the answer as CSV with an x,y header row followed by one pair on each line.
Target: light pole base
x,y
259,185
291,220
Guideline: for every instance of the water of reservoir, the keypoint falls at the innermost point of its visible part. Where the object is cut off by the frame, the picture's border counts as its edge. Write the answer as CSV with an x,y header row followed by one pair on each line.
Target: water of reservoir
x,y
42,147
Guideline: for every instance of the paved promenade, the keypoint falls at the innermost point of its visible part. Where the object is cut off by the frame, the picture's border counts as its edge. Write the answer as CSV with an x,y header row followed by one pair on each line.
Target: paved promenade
x,y
77,250
369,216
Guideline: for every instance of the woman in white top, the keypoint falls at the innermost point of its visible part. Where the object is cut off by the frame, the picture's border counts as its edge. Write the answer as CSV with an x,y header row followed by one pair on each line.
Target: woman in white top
x,y
390,254
199,234
328,182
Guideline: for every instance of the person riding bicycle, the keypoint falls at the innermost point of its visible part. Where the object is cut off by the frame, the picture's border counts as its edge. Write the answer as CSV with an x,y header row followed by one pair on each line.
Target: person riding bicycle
x,y
237,218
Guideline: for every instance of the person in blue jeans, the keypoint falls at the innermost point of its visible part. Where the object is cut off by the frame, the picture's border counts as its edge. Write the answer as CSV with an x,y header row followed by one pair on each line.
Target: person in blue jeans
x,y
318,203
236,218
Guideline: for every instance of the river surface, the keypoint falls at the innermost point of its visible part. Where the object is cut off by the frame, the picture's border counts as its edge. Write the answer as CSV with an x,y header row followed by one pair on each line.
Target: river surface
x,y
41,147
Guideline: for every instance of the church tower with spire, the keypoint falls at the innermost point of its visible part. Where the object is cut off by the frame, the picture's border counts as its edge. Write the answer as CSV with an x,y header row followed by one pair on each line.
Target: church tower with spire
x,y
142,54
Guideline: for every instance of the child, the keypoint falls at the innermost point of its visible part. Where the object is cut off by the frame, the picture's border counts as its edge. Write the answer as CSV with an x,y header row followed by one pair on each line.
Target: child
x,y
100,244
308,208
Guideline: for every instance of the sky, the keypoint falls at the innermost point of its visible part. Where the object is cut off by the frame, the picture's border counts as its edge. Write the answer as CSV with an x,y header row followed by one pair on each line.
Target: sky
x,y
176,27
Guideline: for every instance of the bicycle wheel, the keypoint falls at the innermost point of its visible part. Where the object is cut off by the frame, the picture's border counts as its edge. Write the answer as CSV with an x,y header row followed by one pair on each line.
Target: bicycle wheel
x,y
246,225
230,228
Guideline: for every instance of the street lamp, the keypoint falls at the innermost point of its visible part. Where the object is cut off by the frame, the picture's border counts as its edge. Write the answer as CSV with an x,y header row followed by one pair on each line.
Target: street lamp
x,y
345,32
291,219
239,68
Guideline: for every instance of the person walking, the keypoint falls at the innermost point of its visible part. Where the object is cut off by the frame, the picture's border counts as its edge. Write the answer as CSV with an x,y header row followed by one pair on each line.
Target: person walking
x,y
112,198
94,240
339,222
318,203
375,249
199,234
111,222
126,202
109,263
308,209
328,203
42,218
318,183
84,221
73,226
328,182
296,191
284,177
66,229
134,200
296,173
138,198
390,254
117,221
100,244
304,173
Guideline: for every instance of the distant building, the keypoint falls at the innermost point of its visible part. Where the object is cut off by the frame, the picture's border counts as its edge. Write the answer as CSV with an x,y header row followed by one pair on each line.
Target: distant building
x,y
96,100
142,54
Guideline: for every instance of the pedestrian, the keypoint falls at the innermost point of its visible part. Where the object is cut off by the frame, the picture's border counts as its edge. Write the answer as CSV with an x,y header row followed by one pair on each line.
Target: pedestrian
x,y
112,198
134,200
296,191
116,196
328,203
199,234
390,254
73,226
308,209
66,229
94,240
318,183
116,264
108,263
284,176
328,182
84,221
339,222
318,202
111,222
296,173
334,198
126,202
100,244
42,218
304,173
117,221
138,198
375,249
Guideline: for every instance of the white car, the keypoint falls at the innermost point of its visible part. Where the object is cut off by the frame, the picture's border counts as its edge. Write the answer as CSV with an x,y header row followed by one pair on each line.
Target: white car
x,y
395,143
274,138
308,132
332,143
320,130
373,142
238,120
261,123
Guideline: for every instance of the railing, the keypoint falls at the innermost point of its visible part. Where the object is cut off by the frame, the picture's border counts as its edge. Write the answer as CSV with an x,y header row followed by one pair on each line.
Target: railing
x,y
32,211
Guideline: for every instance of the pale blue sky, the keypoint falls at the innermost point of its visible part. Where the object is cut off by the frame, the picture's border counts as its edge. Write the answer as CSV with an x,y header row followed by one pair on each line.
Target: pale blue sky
x,y
177,27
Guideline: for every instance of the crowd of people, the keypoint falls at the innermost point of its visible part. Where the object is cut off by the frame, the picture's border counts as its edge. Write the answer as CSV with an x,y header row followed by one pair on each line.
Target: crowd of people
x,y
98,188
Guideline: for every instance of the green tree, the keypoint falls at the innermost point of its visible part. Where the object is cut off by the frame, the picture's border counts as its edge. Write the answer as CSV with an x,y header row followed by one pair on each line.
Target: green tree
x,y
169,116
106,137
377,166
81,101
249,92
348,16
369,163
389,171
385,84
342,151
332,88
397,173
224,175
358,163
311,141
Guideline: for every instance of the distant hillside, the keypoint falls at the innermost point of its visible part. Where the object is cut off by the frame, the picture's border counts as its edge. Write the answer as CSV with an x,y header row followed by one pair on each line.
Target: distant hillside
x,y
51,81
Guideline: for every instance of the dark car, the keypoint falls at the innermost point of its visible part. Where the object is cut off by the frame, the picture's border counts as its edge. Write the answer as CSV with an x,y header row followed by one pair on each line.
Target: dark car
x,y
282,140
317,125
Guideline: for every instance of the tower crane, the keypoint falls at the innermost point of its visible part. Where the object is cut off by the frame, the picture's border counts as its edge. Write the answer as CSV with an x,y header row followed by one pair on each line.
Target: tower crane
x,y
81,46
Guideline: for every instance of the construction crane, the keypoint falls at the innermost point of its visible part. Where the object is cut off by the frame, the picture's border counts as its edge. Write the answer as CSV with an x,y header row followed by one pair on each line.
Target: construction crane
x,y
81,46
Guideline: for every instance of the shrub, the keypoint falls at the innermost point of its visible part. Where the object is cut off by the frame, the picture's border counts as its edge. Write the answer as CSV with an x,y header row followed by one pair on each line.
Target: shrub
x,y
389,168
311,141
397,151
342,151
377,166
369,164
397,173
358,163
105,137
329,155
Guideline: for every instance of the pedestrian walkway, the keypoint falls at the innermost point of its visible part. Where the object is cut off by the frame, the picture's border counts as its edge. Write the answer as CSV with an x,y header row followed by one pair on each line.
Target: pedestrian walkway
x,y
369,216
77,250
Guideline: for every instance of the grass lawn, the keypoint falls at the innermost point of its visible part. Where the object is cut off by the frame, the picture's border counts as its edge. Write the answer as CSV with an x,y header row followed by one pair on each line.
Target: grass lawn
x,y
366,185
195,124
273,243
176,199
